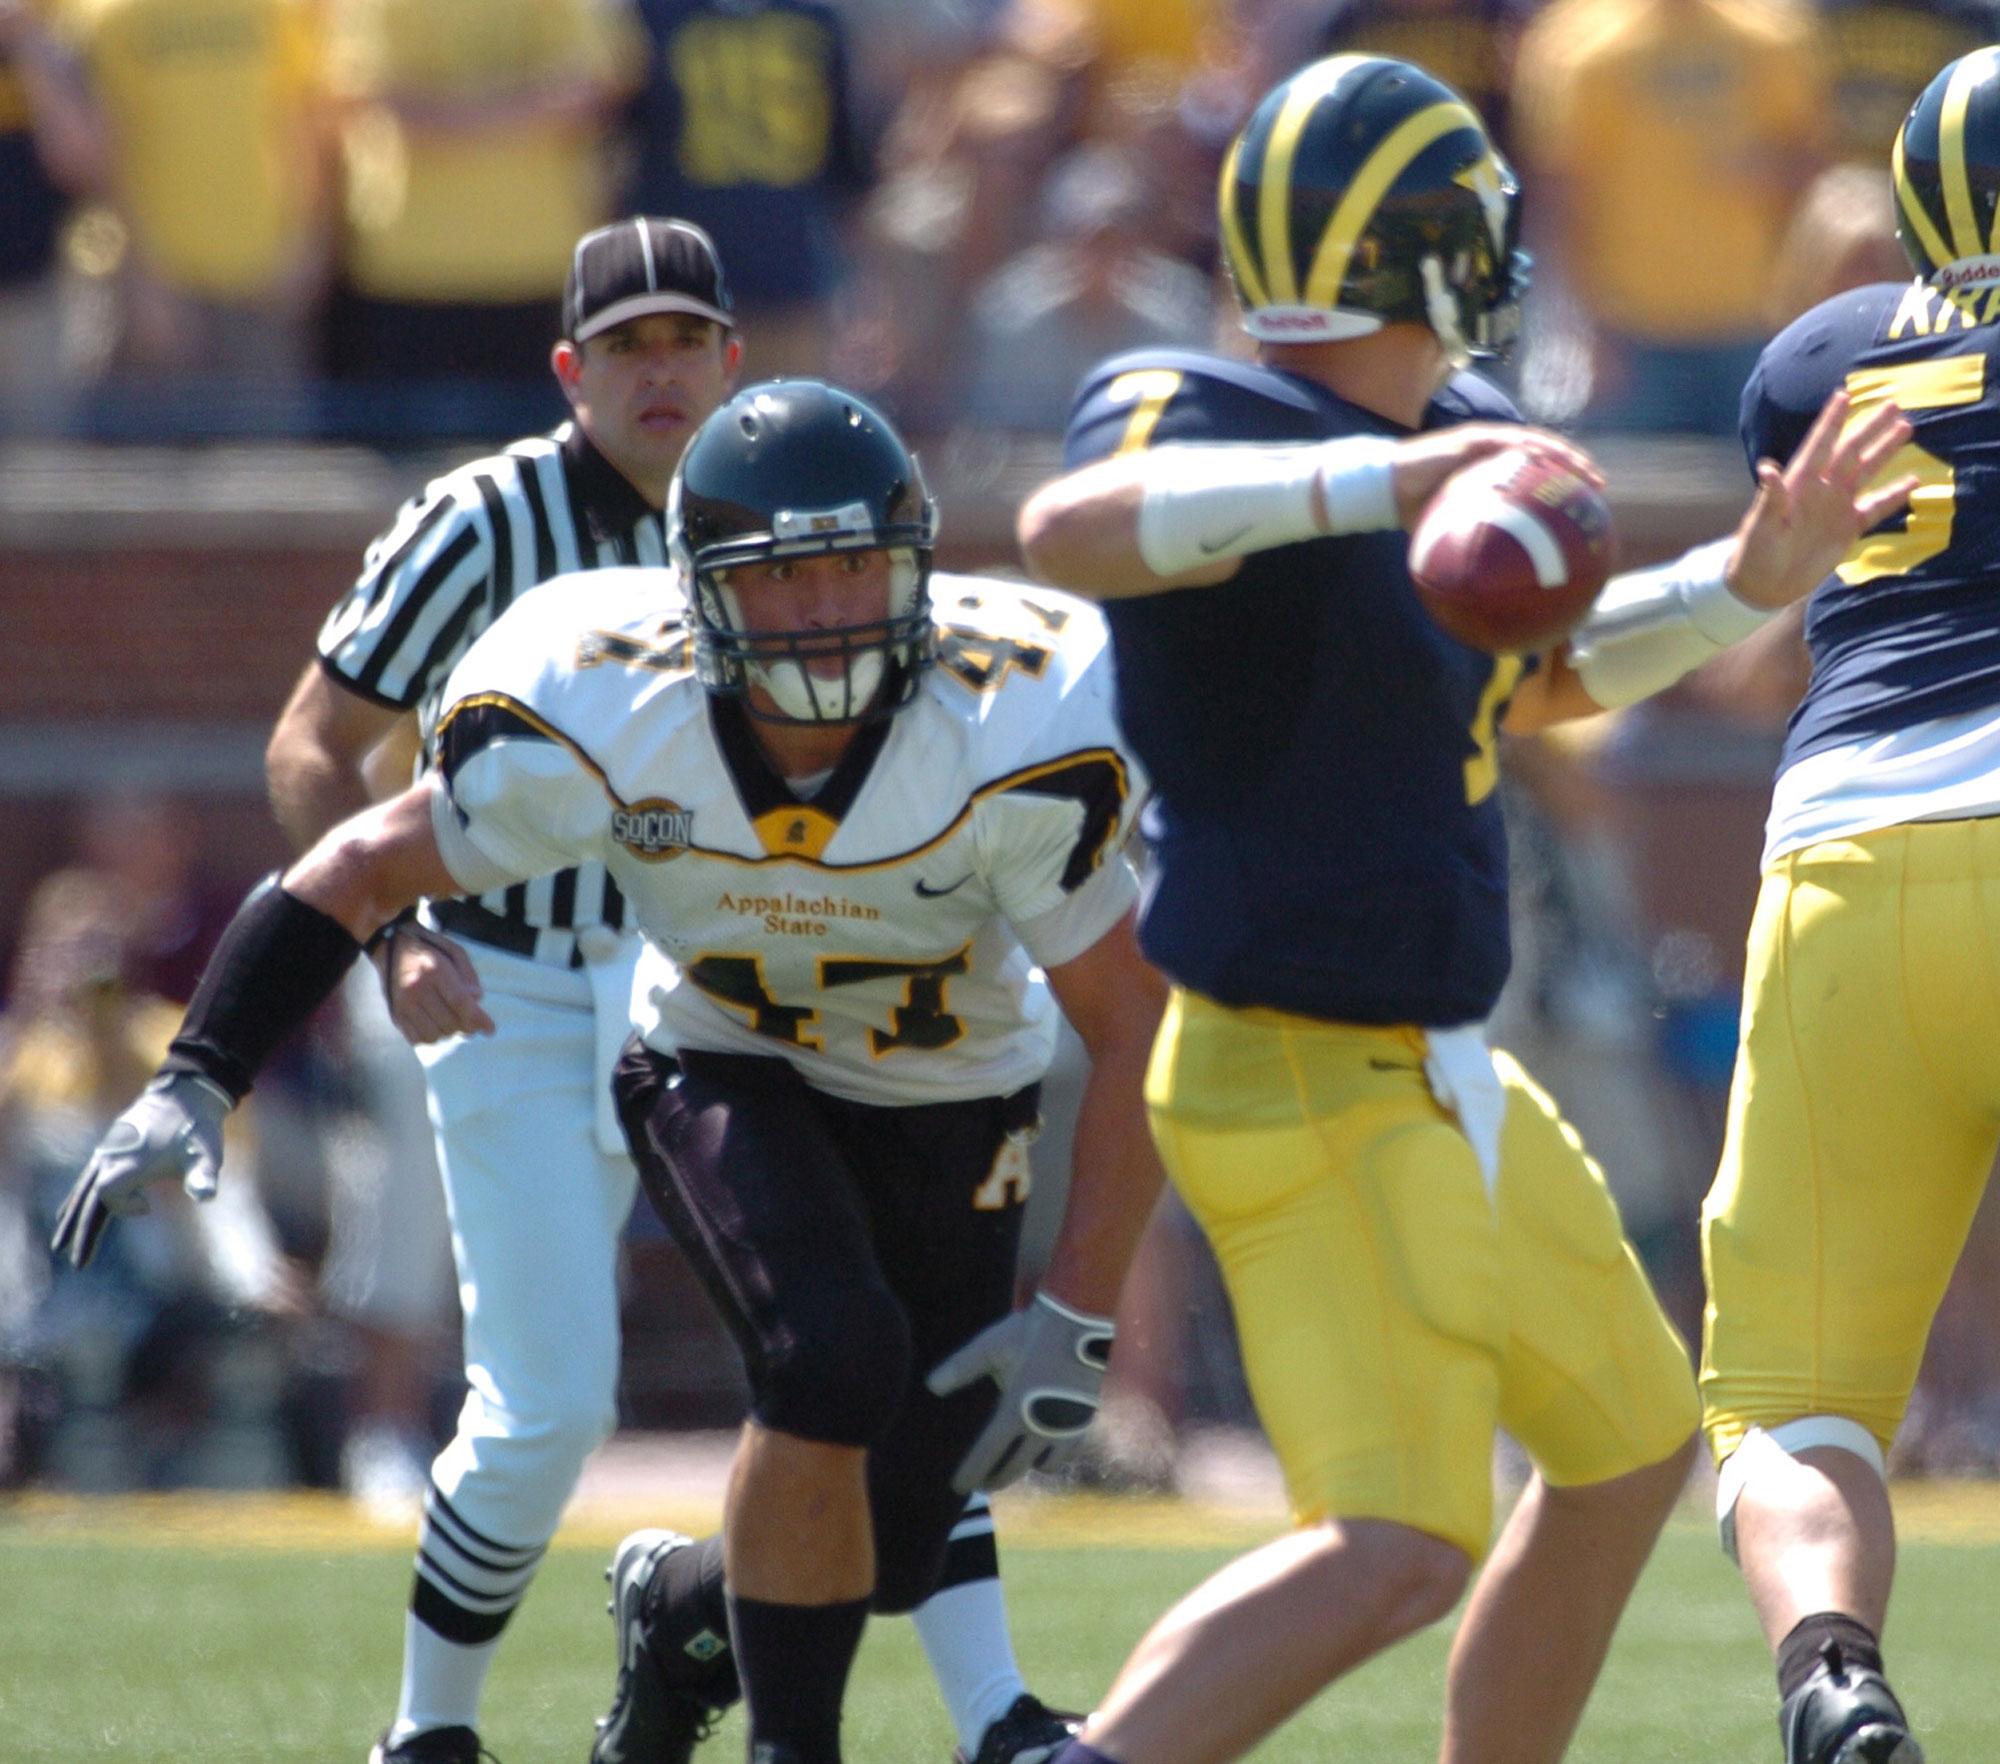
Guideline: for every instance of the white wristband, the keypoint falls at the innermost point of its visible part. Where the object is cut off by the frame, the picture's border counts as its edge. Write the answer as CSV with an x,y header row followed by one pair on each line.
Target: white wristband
x,y
1649,627
1214,500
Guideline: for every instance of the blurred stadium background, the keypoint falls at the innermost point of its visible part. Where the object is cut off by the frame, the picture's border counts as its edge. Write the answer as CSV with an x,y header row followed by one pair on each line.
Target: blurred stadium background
x,y
266,265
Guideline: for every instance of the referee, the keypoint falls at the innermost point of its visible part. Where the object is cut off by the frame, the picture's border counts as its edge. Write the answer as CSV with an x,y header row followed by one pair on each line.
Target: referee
x,y
520,1000
516,1011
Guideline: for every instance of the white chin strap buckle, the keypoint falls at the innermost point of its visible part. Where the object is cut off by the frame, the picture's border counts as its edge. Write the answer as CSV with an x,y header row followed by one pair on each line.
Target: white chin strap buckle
x,y
1762,1448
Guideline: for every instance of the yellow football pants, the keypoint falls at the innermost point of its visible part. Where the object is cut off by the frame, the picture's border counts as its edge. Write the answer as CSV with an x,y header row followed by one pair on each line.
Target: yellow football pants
x,y
1863,1120
1391,1313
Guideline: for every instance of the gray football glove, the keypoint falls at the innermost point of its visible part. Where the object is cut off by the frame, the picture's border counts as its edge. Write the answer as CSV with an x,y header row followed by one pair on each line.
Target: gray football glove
x,y
173,1130
1048,1361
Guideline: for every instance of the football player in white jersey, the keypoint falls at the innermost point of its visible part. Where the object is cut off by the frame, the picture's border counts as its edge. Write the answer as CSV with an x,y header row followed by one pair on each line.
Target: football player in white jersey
x,y
859,810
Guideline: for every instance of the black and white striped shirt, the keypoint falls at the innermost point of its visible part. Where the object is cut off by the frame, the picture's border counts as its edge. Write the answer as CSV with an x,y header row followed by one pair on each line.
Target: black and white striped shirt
x,y
455,558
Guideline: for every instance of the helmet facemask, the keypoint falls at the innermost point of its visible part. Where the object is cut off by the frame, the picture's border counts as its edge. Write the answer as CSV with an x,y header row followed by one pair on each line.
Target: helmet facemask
x,y
801,470
785,676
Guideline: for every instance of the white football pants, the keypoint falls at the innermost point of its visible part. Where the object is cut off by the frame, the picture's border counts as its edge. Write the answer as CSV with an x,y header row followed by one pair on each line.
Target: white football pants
x,y
537,1202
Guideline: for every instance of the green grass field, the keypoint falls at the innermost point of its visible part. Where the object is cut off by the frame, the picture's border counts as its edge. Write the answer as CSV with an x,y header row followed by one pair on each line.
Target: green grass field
x,y
208,1634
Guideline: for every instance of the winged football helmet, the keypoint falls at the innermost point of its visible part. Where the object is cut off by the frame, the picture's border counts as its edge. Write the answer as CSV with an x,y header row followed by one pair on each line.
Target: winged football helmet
x,y
1946,165
1362,191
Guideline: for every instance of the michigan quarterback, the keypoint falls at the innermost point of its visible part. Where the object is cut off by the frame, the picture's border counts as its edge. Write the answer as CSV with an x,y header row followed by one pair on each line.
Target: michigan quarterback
x,y
1865,1111
1415,1243
857,808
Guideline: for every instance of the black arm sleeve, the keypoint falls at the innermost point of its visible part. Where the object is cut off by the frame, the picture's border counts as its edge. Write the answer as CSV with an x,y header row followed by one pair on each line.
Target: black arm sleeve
x,y
277,960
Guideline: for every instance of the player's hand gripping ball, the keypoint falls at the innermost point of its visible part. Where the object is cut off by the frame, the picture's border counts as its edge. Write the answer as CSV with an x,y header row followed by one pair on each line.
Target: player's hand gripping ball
x,y
1511,551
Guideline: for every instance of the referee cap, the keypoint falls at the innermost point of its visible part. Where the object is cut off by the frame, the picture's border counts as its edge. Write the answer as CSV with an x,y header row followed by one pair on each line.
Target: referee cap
x,y
642,265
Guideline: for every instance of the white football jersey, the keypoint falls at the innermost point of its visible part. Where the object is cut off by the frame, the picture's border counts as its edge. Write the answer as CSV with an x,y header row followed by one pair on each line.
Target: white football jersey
x,y
881,933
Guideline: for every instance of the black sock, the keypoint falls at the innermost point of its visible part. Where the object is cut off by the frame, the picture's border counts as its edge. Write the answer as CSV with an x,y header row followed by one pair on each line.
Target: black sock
x,y
1800,1653
687,1621
793,1661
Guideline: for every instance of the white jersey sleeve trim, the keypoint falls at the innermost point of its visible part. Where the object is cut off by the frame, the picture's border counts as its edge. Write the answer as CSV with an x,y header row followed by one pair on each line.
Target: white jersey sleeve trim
x,y
470,866
1066,931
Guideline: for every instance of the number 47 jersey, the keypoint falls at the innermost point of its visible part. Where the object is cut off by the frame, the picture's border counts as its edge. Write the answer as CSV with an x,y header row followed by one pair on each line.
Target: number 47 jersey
x,y
880,932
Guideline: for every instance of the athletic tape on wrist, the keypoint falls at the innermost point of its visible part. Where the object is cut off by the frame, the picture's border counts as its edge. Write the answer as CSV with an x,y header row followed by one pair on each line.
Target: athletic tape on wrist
x,y
1650,627
1206,502
276,962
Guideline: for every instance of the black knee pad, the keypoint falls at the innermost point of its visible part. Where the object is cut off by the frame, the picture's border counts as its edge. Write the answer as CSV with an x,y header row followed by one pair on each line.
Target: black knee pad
x,y
913,1527
842,1375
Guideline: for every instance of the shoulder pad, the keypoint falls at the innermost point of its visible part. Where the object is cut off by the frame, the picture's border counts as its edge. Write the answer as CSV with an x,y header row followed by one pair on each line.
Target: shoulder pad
x,y
1155,396
569,625
1011,652
1470,397
1801,366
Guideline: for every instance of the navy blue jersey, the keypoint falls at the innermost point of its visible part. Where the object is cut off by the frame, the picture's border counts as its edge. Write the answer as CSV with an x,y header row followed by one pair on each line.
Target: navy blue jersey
x,y
31,215
1882,53
744,126
1325,831
1908,628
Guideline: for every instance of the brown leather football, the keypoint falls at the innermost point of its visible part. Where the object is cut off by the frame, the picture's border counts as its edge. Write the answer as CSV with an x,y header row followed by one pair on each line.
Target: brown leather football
x,y
1511,551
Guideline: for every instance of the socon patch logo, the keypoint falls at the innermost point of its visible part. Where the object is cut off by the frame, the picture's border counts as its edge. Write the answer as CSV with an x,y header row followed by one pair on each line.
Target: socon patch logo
x,y
655,830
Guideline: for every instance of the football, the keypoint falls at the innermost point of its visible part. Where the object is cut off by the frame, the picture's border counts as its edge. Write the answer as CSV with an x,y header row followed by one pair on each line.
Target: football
x,y
1511,551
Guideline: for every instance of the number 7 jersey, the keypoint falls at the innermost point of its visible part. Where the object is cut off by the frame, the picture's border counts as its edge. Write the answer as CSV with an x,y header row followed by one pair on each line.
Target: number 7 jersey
x,y
882,932
1326,832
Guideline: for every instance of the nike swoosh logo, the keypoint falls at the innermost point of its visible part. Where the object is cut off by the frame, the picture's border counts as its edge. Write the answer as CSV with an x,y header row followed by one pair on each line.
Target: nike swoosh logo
x,y
1210,547
924,889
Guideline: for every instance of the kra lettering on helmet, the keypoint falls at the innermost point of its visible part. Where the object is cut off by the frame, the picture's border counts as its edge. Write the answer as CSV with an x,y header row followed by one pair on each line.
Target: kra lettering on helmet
x,y
1946,169
654,830
800,468
1364,192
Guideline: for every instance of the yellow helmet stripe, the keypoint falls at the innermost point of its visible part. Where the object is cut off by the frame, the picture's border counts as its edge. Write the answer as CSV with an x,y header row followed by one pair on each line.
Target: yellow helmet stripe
x,y
1383,167
1914,211
1274,182
1233,241
1966,79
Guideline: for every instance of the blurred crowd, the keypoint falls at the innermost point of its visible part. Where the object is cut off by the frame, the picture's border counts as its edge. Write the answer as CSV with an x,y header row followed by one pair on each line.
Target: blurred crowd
x,y
352,217
293,1331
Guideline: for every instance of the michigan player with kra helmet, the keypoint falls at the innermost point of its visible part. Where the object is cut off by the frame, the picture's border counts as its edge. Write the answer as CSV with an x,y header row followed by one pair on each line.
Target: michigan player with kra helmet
x,y
1862,1120
1416,1246
858,809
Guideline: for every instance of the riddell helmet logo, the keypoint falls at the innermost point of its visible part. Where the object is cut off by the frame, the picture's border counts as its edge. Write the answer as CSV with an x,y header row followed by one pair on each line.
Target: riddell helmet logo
x,y
1272,319
655,830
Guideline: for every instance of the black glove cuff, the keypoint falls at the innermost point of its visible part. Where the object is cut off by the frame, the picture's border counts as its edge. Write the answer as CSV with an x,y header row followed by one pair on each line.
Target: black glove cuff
x,y
277,960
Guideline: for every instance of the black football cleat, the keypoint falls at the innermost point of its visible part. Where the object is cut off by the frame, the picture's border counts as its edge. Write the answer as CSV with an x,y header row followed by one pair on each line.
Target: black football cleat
x,y
1029,1733
675,1671
1846,1715
435,1745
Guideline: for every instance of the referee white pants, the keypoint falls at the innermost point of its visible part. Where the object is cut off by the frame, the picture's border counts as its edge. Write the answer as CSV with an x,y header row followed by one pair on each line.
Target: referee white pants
x,y
537,1203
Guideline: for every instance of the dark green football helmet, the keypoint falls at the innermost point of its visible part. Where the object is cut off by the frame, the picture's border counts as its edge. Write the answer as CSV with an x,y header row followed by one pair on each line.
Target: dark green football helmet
x,y
1364,192
798,468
